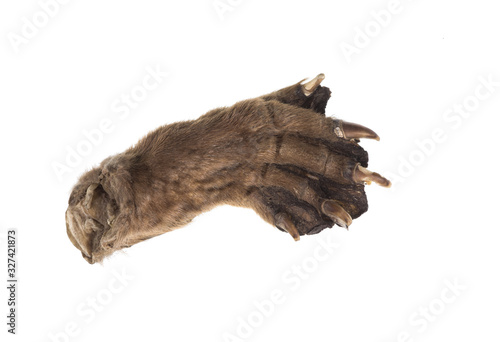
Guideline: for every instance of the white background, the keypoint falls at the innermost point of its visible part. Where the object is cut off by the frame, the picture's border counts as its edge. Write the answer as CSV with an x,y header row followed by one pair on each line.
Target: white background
x,y
436,226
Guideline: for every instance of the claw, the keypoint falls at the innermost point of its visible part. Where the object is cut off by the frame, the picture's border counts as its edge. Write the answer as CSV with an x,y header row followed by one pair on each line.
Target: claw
x,y
284,222
309,87
336,213
362,174
349,130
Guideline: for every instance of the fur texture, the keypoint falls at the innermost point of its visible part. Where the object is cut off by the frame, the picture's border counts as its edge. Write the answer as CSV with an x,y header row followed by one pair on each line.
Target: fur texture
x,y
276,154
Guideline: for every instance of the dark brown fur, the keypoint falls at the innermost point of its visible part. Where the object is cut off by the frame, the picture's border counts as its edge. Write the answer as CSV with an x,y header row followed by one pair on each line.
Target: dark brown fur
x,y
274,154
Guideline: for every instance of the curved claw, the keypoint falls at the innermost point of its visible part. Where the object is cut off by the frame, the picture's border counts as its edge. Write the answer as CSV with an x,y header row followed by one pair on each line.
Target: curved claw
x,y
284,222
362,174
336,213
309,87
350,130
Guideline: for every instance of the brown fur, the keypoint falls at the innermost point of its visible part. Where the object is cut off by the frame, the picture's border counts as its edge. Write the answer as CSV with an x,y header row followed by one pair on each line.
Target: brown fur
x,y
274,154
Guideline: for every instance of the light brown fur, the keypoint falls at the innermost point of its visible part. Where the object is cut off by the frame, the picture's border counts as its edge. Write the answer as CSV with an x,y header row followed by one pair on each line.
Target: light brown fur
x,y
275,154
